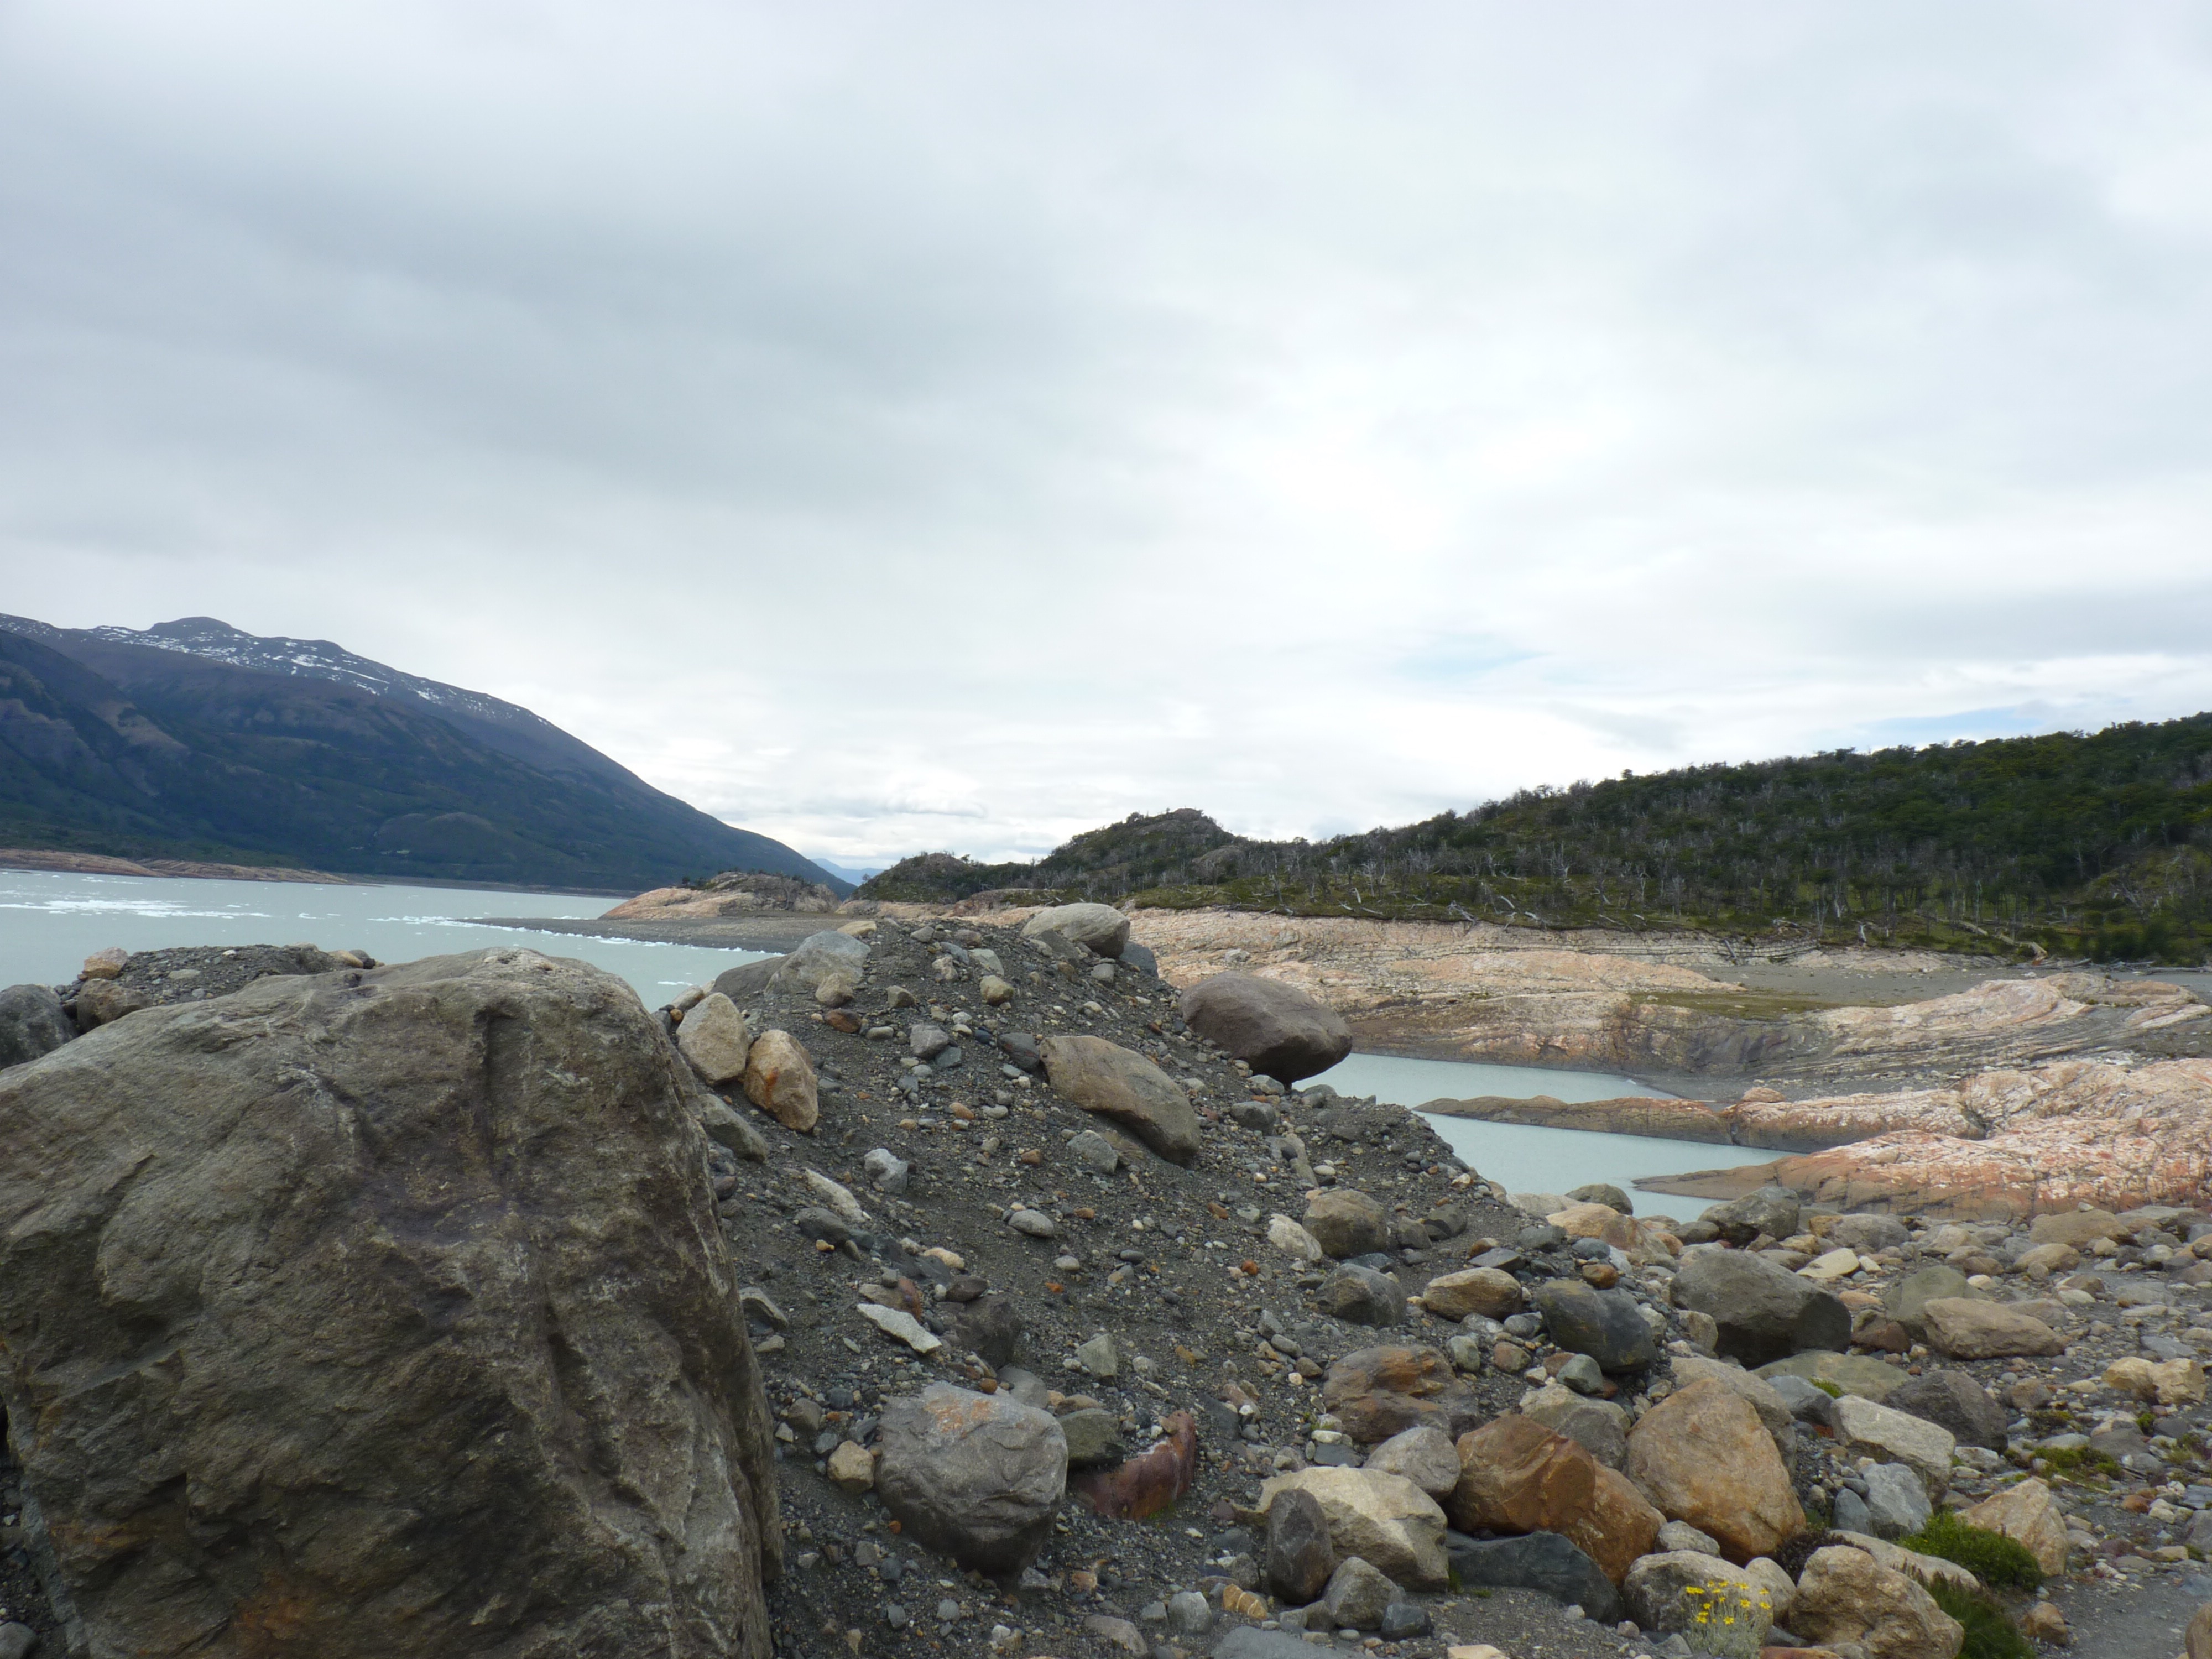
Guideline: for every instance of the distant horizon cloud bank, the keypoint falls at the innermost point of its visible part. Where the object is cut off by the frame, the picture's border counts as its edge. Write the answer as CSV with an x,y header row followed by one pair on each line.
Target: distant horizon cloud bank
x,y
893,430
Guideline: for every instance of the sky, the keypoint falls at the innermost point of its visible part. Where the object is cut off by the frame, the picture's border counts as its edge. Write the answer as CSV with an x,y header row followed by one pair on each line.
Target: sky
x,y
895,427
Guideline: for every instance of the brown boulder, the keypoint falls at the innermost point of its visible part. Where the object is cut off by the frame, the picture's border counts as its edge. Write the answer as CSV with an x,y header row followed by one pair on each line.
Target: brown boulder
x,y
1484,1291
1618,1527
1379,1392
383,1314
1515,1475
780,1079
1701,1456
1119,1084
1272,1027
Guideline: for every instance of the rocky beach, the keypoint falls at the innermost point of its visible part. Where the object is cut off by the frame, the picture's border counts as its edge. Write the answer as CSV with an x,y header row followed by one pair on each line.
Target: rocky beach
x,y
991,1285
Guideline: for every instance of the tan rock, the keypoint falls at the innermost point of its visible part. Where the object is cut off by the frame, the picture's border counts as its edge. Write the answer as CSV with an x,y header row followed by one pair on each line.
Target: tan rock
x,y
1618,1527
1292,1240
2197,1642
1966,1329
1927,1569
1484,1291
2078,1227
2029,1515
1701,1456
106,964
1598,1221
2178,1381
995,991
2051,1258
852,1468
1781,1589
780,1079
1119,1084
1844,1595
1755,1391
1384,1519
1515,1475
1869,1429
1347,1223
715,1039
2044,1623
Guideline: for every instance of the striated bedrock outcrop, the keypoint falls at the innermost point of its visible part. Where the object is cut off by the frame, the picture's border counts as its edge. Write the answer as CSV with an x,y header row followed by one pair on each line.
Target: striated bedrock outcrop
x,y
382,1313
1659,1000
2008,1142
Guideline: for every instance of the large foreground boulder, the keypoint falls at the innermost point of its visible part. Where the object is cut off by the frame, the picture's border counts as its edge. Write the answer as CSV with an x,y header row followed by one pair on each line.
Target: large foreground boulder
x,y
1272,1027
1701,1456
373,1314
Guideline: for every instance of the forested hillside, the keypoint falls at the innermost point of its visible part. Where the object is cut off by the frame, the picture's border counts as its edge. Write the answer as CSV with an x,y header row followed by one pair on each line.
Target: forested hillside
x,y
2099,845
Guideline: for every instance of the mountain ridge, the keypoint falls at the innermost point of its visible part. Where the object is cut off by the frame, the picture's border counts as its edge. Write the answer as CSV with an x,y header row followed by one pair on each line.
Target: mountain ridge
x,y
199,741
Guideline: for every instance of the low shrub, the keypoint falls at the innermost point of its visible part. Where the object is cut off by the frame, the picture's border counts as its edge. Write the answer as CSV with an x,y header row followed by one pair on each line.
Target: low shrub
x,y
1989,1633
1991,1557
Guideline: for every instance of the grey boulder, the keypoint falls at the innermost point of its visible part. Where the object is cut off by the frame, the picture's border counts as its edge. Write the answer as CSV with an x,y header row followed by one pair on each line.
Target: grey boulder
x,y
33,1023
819,956
1362,1295
1299,1556
1957,1402
1773,1211
390,1306
977,1477
1099,929
1357,1595
1272,1027
1608,1326
744,983
1542,1561
1764,1312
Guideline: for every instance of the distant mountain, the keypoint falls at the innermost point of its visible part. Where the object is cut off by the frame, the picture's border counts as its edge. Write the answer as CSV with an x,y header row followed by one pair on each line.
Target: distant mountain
x,y
194,739
854,874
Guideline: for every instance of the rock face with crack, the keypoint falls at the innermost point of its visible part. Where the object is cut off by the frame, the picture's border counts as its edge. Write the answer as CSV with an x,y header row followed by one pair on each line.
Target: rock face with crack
x,y
415,1330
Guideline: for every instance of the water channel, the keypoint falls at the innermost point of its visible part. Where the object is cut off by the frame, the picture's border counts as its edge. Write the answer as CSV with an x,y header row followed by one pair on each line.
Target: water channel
x,y
50,921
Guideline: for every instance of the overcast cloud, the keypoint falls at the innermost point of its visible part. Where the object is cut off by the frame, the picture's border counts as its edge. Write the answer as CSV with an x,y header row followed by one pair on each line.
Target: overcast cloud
x,y
958,425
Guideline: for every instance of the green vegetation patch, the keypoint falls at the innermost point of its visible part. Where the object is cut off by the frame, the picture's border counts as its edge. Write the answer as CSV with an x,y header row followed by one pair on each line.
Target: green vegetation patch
x,y
1989,1633
2079,1463
1990,1556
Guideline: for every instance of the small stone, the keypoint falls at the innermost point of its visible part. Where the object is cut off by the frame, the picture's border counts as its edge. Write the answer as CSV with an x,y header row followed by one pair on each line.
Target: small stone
x,y
1187,1612
897,1322
1581,1373
852,1468
1035,1222
1100,1357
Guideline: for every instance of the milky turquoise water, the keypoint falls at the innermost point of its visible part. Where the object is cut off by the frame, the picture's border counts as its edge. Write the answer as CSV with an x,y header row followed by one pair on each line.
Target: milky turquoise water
x,y
49,923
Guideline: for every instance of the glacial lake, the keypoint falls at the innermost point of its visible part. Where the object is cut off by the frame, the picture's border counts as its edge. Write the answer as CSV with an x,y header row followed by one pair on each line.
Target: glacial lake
x,y
51,923
1524,1157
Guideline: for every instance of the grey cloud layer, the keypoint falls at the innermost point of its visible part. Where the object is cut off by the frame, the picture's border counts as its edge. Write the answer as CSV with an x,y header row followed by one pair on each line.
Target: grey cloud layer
x,y
893,426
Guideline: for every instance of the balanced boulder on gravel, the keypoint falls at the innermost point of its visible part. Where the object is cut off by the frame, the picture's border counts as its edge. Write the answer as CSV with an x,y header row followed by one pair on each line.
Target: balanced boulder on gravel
x,y
779,1079
823,956
1099,929
1121,1084
1484,1291
1272,1027
1764,1312
1957,1402
977,1476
